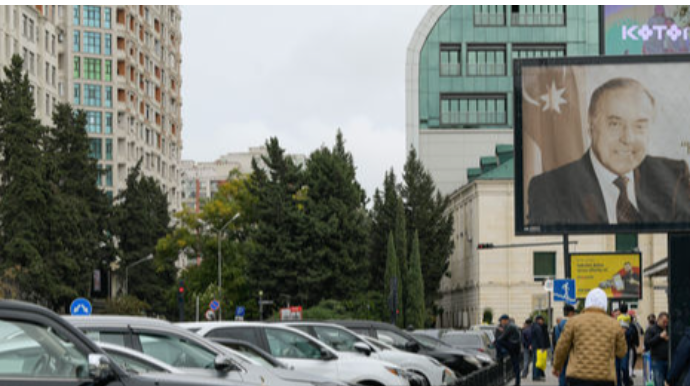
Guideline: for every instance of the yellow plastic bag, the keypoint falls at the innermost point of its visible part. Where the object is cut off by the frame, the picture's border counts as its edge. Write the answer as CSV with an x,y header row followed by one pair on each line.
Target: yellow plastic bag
x,y
542,356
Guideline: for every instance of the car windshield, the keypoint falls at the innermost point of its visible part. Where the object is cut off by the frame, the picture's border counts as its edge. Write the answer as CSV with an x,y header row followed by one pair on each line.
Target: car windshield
x,y
428,342
465,340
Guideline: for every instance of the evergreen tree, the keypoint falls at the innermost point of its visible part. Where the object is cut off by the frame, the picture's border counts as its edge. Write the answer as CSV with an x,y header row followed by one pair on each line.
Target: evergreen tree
x,y
383,220
24,192
401,252
338,231
428,213
141,220
392,284
416,314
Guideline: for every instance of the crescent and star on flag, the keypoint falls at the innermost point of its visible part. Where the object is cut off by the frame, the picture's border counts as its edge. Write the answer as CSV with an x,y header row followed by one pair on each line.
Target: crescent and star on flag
x,y
551,100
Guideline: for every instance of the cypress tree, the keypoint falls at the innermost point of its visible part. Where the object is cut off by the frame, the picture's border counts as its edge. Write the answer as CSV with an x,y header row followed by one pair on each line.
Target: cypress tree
x,y
391,277
401,253
416,314
383,220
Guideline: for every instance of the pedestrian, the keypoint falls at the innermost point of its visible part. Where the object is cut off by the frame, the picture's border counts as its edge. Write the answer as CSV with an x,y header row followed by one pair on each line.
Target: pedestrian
x,y
635,349
680,362
622,364
526,346
509,342
568,312
591,341
540,341
656,339
651,322
554,338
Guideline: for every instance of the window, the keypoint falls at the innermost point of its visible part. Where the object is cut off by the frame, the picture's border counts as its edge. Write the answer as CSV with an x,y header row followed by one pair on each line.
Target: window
x,y
538,15
92,69
245,334
108,123
93,122
108,96
392,338
95,151
109,168
544,265
92,16
77,43
486,60
287,344
92,42
33,351
107,17
77,67
108,70
75,13
626,242
176,351
92,95
522,51
77,94
473,109
108,44
132,364
338,339
116,338
489,15
450,59
109,149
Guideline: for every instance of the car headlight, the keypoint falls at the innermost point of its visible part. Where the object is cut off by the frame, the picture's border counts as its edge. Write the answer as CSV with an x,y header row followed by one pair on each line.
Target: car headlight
x,y
396,371
449,377
484,358
472,360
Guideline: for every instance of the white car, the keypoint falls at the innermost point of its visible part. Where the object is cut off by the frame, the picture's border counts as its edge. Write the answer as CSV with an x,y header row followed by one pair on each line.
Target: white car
x,y
343,340
305,353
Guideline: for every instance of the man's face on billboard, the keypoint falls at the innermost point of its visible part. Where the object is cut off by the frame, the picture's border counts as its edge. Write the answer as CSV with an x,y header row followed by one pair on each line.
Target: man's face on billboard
x,y
620,128
628,267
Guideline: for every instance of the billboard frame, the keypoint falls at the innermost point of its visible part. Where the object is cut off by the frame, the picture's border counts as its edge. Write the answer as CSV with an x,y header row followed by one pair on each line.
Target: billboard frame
x,y
637,253
521,229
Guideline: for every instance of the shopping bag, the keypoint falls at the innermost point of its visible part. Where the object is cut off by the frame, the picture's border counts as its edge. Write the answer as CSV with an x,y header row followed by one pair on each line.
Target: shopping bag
x,y
542,356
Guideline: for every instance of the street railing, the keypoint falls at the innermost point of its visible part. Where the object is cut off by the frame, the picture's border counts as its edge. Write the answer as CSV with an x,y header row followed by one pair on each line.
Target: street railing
x,y
498,374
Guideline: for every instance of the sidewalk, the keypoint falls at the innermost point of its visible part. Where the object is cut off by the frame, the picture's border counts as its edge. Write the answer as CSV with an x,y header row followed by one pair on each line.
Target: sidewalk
x,y
553,381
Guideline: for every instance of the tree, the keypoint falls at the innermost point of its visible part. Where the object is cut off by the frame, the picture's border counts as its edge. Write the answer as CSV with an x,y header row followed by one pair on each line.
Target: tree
x,y
416,314
24,191
338,225
383,220
393,284
401,252
427,212
141,219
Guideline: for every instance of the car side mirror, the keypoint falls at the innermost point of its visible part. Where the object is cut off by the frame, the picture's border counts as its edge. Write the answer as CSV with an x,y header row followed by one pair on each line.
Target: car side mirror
x,y
327,355
362,348
412,346
99,367
225,364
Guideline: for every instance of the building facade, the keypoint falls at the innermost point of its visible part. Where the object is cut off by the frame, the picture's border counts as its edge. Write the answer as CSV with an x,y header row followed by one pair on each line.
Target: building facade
x,y
118,63
459,86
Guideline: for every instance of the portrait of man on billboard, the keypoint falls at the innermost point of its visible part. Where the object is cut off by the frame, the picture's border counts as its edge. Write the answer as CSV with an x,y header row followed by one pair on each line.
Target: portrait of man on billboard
x,y
625,283
616,181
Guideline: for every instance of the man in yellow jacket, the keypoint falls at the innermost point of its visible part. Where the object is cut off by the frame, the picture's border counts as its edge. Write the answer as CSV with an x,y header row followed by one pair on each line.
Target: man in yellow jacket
x,y
591,341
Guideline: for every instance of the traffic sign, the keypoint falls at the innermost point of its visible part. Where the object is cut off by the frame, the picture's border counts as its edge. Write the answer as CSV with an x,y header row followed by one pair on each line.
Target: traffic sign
x,y
80,307
240,311
564,291
210,315
214,305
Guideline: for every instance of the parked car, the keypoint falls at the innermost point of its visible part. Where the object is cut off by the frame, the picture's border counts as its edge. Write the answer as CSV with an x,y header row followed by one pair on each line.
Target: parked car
x,y
343,340
305,353
423,337
470,340
460,362
489,329
37,347
190,352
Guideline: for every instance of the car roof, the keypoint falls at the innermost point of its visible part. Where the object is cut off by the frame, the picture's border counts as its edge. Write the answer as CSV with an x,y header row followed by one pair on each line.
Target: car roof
x,y
111,320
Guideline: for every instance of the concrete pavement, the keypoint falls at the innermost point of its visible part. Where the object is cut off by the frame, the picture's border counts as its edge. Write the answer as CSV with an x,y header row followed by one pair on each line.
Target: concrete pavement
x,y
553,381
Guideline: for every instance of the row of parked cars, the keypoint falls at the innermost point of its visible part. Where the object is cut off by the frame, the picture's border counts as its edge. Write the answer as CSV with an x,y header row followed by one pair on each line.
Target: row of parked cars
x,y
38,347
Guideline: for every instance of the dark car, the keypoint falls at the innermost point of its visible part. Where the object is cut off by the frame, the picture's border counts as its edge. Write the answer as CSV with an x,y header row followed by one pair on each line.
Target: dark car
x,y
460,362
470,340
429,340
38,347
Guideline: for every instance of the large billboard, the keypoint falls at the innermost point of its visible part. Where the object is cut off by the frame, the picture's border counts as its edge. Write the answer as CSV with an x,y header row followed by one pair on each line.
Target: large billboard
x,y
646,29
618,274
602,144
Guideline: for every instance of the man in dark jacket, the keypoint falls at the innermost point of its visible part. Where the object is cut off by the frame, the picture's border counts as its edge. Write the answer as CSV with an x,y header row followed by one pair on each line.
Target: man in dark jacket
x,y
526,347
540,341
509,342
656,339
681,362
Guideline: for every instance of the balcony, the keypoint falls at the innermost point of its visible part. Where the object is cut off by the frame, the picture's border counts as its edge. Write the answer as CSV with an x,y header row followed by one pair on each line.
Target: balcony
x,y
486,69
473,117
535,19
489,19
451,69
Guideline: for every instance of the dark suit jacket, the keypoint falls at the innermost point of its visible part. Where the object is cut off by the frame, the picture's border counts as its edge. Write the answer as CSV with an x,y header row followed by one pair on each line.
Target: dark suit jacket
x,y
571,194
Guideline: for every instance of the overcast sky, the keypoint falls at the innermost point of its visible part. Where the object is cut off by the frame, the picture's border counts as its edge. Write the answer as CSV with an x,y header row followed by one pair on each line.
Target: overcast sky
x,y
297,73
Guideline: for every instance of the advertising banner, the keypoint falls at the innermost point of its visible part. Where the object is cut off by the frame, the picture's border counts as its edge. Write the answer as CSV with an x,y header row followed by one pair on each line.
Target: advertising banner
x,y
646,29
619,274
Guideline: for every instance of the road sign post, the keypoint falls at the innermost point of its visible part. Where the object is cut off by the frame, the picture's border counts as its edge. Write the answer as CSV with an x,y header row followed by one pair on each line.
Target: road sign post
x,y
564,291
80,307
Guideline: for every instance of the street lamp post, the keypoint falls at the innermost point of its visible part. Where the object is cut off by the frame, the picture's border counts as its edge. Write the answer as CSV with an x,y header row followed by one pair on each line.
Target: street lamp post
x,y
147,258
220,280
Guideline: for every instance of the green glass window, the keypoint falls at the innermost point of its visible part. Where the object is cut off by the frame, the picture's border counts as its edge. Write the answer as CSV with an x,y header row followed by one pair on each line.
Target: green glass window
x,y
108,70
95,150
108,123
107,17
77,42
77,67
486,60
92,16
75,14
92,95
626,242
92,69
93,122
529,15
92,42
544,265
108,44
485,15
108,96
77,94
450,59
460,109
108,149
109,174
522,51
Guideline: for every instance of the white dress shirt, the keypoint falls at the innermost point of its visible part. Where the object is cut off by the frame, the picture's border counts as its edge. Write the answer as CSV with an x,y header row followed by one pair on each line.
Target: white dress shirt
x,y
609,190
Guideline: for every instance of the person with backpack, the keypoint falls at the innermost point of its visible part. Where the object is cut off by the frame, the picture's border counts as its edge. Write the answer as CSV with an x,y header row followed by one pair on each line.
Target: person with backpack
x,y
509,342
526,347
568,313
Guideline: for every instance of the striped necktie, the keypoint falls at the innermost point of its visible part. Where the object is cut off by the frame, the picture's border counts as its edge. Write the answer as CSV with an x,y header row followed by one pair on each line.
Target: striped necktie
x,y
625,210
